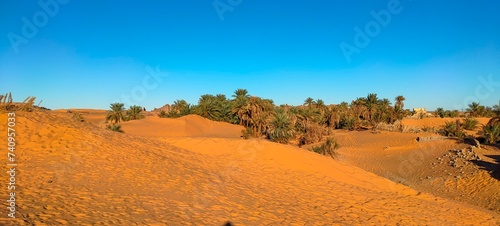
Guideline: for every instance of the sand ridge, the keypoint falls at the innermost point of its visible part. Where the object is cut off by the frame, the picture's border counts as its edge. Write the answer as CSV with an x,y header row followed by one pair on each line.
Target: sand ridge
x,y
78,173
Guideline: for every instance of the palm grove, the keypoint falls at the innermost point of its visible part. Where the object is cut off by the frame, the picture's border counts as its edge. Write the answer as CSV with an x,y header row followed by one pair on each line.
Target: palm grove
x,y
309,123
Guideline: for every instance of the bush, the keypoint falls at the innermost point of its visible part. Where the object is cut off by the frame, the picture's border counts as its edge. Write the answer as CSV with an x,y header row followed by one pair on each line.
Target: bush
x,y
247,133
280,129
429,129
163,114
328,148
491,131
453,129
348,122
77,116
314,133
115,128
470,123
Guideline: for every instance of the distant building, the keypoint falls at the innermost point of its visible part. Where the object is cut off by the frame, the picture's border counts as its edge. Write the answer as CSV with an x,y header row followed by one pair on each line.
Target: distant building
x,y
419,110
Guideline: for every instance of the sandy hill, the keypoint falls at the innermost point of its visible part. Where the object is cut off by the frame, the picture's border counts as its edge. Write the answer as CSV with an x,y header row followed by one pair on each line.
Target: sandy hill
x,y
187,126
80,174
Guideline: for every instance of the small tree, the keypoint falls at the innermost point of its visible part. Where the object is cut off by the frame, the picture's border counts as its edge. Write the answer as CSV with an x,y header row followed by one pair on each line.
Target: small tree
x,y
134,112
116,114
280,129
115,128
453,129
328,148
470,123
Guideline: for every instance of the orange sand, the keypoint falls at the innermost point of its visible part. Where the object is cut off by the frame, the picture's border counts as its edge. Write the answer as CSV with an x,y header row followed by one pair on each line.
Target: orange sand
x,y
193,171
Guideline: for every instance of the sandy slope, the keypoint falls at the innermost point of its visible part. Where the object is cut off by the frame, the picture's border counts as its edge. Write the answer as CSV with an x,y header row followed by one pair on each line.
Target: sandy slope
x,y
77,173
187,126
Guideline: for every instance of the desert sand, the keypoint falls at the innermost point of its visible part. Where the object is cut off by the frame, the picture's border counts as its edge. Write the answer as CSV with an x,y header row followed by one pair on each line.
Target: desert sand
x,y
192,171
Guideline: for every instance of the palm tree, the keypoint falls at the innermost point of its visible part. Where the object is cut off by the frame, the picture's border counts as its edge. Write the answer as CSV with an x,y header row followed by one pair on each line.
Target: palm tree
x,y
371,105
241,93
181,107
208,108
280,128
474,109
400,102
440,112
496,108
116,114
134,112
309,102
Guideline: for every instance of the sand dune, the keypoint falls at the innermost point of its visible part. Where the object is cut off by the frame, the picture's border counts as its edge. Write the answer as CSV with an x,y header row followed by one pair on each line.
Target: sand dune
x,y
187,126
436,122
201,173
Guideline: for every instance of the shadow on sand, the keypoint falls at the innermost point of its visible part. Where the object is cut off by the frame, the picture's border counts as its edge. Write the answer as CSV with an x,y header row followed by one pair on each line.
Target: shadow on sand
x,y
492,168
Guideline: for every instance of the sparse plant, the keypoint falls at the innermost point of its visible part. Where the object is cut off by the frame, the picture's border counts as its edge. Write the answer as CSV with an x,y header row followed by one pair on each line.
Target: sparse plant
x,y
492,133
247,133
77,116
429,129
28,104
163,114
328,148
410,129
470,123
6,102
453,129
491,130
115,128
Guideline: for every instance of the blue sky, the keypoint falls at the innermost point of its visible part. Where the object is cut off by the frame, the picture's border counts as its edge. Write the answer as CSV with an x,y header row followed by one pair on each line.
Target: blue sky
x,y
88,54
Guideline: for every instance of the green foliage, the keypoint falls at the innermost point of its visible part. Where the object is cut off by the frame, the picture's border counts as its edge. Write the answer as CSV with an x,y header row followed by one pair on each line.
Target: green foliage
x,y
492,133
162,114
491,130
476,110
453,129
280,128
116,114
440,112
470,123
134,113
115,128
328,148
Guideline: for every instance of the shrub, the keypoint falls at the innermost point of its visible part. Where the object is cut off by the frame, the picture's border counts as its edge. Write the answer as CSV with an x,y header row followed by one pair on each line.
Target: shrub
x,y
470,123
77,116
115,128
247,133
453,129
328,148
491,131
314,133
163,114
429,129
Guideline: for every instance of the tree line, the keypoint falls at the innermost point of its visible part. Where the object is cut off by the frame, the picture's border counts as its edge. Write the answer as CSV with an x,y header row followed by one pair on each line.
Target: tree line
x,y
308,123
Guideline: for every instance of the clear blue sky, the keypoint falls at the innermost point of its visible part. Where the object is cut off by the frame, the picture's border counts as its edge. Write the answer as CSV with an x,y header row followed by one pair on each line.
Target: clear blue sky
x,y
88,54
